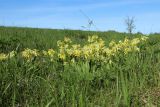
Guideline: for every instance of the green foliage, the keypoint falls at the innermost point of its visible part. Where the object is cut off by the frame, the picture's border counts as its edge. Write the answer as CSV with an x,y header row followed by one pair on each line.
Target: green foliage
x,y
132,80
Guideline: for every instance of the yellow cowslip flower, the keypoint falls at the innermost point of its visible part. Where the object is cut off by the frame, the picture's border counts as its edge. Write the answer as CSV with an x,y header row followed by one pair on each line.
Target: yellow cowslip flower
x,y
86,55
3,56
60,43
89,39
65,46
69,52
101,43
127,50
67,40
12,54
135,41
45,53
109,52
35,52
28,53
51,52
76,53
92,46
96,55
112,43
76,46
120,42
86,52
62,56
126,40
144,38
136,48
116,48
93,38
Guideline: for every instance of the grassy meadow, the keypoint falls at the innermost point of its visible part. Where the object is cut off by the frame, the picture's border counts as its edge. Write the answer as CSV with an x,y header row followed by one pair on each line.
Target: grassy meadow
x,y
73,68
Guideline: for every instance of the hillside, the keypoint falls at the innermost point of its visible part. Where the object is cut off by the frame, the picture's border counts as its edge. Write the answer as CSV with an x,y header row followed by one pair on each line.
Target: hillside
x,y
11,37
73,68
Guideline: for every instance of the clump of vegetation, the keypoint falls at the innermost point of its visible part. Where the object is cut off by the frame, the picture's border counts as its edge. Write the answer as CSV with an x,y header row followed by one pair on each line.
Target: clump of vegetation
x,y
93,51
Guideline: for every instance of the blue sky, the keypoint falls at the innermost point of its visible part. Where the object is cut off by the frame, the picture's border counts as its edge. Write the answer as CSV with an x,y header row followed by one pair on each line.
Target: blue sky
x,y
106,14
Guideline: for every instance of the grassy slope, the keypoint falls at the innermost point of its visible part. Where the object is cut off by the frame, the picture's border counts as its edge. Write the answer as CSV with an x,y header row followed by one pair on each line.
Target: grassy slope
x,y
46,38
134,83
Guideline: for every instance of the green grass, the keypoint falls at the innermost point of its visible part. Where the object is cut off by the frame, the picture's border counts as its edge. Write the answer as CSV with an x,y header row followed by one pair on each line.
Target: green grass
x,y
132,81
11,38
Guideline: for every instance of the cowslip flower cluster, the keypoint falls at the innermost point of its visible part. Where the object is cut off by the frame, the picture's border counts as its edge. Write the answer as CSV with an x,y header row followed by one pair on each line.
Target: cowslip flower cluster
x,y
123,47
94,50
50,53
3,56
63,48
7,56
29,53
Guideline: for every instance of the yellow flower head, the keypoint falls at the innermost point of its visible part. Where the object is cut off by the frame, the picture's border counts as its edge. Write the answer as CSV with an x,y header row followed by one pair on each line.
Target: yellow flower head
x,y
62,56
67,40
29,53
144,38
101,43
45,53
93,38
51,52
135,41
3,57
60,43
76,53
76,46
12,54
112,43
127,50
